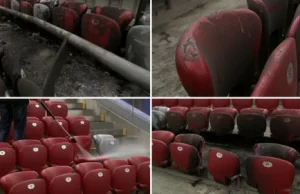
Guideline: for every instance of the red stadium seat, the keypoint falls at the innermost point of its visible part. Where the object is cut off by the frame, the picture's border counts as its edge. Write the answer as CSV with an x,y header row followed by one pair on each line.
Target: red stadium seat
x,y
273,15
212,45
31,155
26,7
95,179
285,123
252,122
218,103
34,109
280,75
240,104
202,103
60,151
186,153
157,102
35,129
7,159
78,125
53,129
197,119
58,108
143,176
223,165
66,19
137,160
269,104
265,174
291,103
62,179
176,118
80,8
160,147
121,16
277,151
123,176
102,31
222,120
170,102
85,143
26,182
186,102
5,3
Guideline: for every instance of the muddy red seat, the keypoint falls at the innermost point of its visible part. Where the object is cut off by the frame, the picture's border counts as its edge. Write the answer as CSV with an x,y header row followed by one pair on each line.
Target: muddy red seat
x,y
53,128
137,160
240,104
223,165
277,151
34,109
143,177
101,31
35,129
291,103
202,103
186,153
66,19
60,151
58,108
121,16
197,119
273,15
157,102
186,103
269,104
94,178
265,173
176,118
5,3
26,182
80,8
280,75
78,125
222,120
62,179
123,175
170,102
219,103
252,122
213,46
160,147
26,8
31,155
8,159
285,123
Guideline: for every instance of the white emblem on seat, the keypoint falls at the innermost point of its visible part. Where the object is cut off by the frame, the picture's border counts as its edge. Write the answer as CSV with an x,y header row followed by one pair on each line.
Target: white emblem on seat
x,y
100,174
59,106
2,153
63,147
112,143
82,122
179,148
60,123
37,106
68,179
31,186
127,170
34,124
35,149
219,155
267,164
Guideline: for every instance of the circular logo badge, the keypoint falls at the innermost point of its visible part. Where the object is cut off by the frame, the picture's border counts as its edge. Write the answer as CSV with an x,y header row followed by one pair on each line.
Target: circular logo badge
x,y
82,122
179,148
95,21
100,174
219,116
68,179
219,155
34,124
290,73
63,147
112,143
287,120
30,186
59,106
127,170
35,149
267,164
2,153
37,106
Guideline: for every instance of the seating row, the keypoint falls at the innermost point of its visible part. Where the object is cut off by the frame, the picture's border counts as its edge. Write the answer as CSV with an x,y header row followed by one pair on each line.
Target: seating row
x,y
260,43
115,175
264,170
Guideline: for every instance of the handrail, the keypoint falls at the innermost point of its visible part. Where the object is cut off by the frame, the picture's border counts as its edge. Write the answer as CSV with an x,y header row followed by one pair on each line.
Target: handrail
x,y
128,70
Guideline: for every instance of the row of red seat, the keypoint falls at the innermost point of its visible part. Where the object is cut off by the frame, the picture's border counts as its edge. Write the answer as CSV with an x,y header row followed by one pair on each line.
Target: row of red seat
x,y
114,175
264,170
58,108
104,26
242,42
251,121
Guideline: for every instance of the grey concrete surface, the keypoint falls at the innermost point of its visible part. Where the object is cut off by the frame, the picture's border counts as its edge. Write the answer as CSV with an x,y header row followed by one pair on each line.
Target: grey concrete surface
x,y
165,81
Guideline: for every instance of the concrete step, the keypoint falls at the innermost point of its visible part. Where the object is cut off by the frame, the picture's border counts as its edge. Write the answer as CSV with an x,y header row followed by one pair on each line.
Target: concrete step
x,y
75,106
101,125
113,132
82,112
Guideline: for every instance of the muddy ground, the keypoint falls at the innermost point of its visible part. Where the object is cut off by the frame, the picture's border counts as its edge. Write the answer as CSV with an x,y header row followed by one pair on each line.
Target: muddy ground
x,y
165,81
80,76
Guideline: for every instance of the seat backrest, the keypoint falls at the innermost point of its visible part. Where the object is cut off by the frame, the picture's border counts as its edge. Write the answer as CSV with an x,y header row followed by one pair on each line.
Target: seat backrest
x,y
220,103
84,141
137,160
157,102
194,140
50,173
224,48
294,32
8,159
35,129
111,164
240,104
186,102
53,129
170,102
165,136
34,109
80,8
291,103
202,102
269,104
79,125
58,108
280,75
86,167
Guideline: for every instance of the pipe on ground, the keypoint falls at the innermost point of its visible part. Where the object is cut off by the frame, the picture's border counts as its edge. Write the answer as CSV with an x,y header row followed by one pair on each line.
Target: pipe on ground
x,y
128,70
